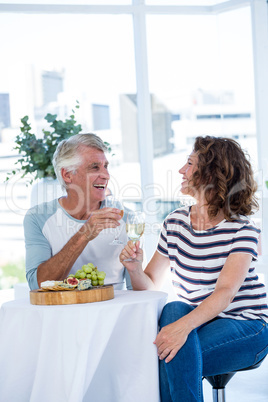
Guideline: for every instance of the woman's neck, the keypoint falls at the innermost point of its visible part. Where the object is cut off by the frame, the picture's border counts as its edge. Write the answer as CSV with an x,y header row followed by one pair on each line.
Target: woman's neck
x,y
200,218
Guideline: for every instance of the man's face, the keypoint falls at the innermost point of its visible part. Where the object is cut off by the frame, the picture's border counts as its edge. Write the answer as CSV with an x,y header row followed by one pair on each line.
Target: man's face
x,y
91,177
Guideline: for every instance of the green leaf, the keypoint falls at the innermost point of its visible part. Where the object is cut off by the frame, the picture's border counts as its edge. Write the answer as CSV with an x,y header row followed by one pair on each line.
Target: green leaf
x,y
36,153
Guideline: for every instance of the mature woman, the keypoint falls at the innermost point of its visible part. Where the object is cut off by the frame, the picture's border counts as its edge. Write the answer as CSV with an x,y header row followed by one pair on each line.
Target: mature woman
x,y
220,321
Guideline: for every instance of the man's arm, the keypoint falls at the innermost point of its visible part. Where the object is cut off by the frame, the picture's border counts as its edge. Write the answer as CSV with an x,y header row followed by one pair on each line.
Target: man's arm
x,y
58,266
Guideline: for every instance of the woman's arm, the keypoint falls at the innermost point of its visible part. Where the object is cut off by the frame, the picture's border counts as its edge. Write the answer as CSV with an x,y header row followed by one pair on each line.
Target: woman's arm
x,y
153,276
172,337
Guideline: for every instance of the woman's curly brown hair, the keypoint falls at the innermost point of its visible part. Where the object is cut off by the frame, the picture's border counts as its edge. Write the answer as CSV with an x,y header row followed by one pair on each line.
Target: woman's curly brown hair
x,y
225,173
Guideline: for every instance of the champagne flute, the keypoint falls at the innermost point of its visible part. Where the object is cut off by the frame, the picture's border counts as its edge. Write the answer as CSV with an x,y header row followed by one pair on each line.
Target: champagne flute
x,y
135,226
113,202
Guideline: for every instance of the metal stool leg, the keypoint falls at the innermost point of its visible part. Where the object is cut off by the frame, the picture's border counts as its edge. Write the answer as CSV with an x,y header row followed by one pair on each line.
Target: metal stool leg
x,y
218,394
218,383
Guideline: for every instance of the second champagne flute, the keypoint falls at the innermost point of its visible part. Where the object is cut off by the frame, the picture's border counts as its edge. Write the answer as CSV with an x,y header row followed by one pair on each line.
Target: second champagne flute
x,y
135,226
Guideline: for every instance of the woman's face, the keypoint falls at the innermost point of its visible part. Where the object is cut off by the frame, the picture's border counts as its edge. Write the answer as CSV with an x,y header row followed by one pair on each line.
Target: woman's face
x,y
187,171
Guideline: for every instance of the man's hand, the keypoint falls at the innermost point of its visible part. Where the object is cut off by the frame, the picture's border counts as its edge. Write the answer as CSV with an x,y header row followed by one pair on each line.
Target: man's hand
x,y
101,219
170,339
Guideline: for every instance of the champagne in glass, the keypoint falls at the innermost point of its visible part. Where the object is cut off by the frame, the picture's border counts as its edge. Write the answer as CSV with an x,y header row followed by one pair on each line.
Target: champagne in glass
x,y
135,226
113,202
135,231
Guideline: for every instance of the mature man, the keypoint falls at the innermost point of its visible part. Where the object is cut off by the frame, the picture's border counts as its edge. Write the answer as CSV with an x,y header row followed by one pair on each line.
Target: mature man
x,y
66,233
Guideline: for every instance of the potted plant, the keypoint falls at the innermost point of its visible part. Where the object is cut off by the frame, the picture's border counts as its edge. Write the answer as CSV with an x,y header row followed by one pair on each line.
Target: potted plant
x,y
37,153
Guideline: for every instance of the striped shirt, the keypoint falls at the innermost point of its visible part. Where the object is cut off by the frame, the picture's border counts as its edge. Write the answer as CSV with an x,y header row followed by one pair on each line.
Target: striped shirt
x,y
197,258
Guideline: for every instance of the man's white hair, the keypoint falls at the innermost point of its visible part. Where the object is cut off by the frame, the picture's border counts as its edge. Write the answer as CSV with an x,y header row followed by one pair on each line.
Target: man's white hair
x,y
67,153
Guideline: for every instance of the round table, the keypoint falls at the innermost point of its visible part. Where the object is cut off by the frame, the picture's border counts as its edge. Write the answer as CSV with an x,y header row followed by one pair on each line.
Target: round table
x,y
97,352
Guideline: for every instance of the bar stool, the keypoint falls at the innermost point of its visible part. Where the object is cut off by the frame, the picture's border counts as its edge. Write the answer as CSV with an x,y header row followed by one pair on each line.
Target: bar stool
x,y
220,381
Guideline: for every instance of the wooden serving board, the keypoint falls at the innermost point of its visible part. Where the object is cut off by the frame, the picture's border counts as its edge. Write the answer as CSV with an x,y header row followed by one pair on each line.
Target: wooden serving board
x,y
51,297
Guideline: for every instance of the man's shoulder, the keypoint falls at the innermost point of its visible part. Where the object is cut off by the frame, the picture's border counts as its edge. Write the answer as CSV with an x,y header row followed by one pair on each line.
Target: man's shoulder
x,y
41,212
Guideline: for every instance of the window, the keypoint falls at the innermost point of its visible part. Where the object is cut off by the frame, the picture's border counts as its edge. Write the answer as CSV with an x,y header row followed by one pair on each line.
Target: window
x,y
47,63
201,83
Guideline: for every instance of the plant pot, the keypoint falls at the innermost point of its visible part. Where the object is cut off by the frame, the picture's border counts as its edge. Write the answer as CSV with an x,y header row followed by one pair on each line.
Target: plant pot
x,y
44,190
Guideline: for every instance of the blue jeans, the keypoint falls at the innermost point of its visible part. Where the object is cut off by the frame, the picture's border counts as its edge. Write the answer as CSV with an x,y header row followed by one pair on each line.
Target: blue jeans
x,y
220,346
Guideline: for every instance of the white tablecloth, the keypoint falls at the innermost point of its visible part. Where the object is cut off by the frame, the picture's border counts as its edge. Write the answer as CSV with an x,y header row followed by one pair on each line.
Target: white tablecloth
x,y
97,352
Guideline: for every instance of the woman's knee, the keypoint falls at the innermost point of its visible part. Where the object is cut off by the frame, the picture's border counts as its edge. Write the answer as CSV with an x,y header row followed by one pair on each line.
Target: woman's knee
x,y
173,311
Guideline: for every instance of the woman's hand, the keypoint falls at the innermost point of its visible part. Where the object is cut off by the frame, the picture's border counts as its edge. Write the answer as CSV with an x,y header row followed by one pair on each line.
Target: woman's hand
x,y
170,339
131,251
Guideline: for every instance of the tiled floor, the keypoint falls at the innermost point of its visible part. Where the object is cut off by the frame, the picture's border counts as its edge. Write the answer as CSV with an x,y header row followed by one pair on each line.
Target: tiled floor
x,y
246,386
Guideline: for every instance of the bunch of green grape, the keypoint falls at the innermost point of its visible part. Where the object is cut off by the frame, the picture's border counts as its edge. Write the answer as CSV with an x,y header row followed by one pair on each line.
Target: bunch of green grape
x,y
89,271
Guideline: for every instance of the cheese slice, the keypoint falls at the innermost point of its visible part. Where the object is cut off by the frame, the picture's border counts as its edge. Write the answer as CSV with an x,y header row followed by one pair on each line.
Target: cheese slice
x,y
84,284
